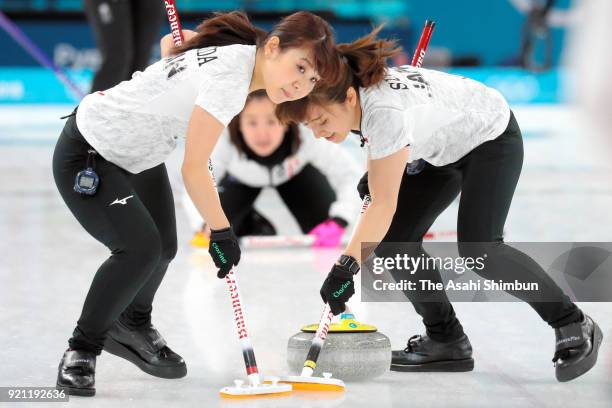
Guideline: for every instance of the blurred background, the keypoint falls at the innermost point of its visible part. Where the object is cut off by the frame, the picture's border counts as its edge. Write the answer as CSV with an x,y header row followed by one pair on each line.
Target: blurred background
x,y
513,45
549,58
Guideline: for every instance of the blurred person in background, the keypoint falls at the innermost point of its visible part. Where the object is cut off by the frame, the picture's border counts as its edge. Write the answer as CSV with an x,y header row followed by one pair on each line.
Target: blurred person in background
x,y
125,33
589,59
535,30
314,180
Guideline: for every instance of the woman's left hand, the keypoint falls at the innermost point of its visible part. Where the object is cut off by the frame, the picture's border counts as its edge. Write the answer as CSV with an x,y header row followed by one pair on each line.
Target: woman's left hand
x,y
338,288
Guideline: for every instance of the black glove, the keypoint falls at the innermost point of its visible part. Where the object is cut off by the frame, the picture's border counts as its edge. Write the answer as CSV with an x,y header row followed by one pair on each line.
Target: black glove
x,y
362,187
337,288
224,250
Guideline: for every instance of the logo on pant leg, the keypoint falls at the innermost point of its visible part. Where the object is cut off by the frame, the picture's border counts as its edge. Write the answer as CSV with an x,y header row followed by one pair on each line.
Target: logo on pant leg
x,y
123,201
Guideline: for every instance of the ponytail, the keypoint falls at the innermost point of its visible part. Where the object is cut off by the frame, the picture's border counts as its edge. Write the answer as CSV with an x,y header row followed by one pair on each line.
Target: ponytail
x,y
367,58
364,65
224,29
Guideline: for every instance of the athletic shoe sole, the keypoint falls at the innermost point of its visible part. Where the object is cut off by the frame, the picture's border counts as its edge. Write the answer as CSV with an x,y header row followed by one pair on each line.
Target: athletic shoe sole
x,y
79,392
449,366
121,350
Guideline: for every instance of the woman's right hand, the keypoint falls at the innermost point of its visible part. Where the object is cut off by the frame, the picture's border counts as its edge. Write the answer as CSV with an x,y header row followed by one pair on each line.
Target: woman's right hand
x,y
224,250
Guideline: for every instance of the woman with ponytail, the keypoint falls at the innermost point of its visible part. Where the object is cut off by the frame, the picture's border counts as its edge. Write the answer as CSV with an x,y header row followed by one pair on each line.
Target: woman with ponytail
x,y
108,166
430,136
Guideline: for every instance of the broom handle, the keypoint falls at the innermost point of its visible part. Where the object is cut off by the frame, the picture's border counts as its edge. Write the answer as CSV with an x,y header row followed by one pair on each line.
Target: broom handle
x,y
240,319
237,305
175,23
317,342
419,54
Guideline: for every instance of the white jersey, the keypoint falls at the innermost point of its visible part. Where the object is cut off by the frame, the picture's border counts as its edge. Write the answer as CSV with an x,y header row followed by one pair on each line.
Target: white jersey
x,y
338,166
442,117
136,124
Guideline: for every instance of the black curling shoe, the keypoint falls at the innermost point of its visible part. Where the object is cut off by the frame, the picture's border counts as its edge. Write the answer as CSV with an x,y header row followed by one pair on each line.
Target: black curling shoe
x,y
576,348
147,349
424,354
76,374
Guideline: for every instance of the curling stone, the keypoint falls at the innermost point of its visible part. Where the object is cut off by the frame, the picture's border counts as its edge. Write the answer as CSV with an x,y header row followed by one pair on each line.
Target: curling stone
x,y
353,351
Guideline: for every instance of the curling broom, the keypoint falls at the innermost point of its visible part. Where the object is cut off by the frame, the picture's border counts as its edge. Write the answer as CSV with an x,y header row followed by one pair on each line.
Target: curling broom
x,y
255,387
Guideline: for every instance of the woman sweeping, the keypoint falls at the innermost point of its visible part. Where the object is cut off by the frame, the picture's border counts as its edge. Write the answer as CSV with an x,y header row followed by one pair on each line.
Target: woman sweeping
x,y
460,137
109,168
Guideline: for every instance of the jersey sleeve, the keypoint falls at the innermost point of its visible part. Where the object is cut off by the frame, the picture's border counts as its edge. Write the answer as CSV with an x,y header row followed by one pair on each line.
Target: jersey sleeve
x,y
387,132
221,99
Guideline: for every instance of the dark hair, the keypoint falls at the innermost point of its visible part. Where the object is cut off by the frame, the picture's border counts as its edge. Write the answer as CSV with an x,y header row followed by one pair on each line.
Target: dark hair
x,y
237,138
363,64
296,30
223,29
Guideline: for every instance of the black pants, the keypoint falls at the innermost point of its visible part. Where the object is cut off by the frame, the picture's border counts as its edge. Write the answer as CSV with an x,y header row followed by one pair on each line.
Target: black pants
x,y
486,178
140,234
125,33
308,195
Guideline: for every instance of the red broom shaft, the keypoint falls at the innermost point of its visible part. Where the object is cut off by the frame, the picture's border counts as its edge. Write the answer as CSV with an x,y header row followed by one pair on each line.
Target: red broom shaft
x,y
175,22
419,54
